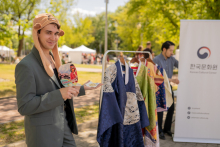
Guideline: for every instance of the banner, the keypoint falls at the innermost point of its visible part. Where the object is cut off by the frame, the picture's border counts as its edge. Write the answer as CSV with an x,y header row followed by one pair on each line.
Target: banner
x,y
198,98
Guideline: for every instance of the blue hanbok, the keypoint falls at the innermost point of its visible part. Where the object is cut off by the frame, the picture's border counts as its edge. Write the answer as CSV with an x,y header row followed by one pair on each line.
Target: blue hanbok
x,y
161,95
122,115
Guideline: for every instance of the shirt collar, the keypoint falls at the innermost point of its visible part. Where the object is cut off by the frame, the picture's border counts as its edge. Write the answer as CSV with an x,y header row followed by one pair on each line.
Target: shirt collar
x,y
162,56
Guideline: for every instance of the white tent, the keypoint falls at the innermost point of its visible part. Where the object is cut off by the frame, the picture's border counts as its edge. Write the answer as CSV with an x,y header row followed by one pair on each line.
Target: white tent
x,y
75,55
84,49
6,51
65,49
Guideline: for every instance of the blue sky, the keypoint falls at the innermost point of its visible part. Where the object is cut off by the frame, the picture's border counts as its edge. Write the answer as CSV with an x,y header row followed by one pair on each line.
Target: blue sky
x,y
92,7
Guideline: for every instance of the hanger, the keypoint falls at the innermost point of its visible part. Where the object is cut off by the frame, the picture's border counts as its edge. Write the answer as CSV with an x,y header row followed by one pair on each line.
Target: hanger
x,y
133,60
122,60
142,59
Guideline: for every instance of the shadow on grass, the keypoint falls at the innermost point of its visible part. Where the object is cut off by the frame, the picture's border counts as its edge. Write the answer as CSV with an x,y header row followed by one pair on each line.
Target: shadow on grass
x,y
7,93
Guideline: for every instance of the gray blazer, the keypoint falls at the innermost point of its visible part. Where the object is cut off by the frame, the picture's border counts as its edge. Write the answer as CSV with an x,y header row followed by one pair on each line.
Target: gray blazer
x,y
40,101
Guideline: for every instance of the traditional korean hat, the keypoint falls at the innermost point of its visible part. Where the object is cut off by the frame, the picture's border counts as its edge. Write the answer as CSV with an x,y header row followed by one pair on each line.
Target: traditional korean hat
x,y
40,21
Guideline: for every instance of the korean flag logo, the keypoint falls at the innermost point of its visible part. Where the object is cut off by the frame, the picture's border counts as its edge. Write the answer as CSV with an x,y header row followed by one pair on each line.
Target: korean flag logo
x,y
204,52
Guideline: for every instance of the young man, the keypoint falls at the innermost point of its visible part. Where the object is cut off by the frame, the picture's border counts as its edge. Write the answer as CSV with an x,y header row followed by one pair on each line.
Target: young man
x,y
41,98
148,45
167,62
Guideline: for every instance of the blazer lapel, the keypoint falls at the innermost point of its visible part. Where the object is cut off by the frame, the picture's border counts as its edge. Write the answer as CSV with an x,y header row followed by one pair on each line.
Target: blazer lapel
x,y
54,78
37,55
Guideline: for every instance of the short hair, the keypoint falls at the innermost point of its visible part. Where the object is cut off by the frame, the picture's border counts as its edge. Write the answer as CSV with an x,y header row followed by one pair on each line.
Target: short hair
x,y
140,48
148,43
167,45
58,27
146,55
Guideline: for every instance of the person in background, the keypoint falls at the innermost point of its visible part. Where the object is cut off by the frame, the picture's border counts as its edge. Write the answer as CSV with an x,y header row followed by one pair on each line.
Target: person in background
x,y
63,59
101,58
3,57
167,62
148,45
138,55
147,55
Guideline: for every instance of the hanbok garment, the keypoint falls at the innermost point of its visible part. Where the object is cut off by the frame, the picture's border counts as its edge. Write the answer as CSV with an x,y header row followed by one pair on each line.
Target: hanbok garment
x,y
161,95
153,74
119,119
147,87
169,99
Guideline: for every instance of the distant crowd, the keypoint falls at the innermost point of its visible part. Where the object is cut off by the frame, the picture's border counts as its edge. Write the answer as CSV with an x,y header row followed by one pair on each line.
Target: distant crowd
x,y
86,58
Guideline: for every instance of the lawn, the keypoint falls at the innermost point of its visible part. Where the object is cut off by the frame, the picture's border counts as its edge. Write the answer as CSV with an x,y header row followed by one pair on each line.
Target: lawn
x,y
14,131
8,88
88,66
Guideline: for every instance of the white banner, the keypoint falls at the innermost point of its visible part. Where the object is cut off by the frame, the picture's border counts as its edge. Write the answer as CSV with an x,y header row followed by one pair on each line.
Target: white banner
x,y
198,100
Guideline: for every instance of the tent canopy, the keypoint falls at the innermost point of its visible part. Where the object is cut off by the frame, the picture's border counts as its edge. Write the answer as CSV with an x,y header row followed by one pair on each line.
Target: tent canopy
x,y
84,49
4,48
65,48
6,51
81,48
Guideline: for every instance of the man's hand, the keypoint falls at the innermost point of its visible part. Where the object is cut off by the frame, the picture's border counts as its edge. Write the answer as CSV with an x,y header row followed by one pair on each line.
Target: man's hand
x,y
91,88
176,81
69,92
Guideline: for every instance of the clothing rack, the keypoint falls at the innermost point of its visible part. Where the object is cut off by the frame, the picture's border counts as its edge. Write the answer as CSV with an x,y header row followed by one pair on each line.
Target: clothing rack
x,y
104,67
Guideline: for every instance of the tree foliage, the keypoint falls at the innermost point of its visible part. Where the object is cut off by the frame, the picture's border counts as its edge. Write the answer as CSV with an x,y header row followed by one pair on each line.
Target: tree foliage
x,y
163,16
22,13
129,26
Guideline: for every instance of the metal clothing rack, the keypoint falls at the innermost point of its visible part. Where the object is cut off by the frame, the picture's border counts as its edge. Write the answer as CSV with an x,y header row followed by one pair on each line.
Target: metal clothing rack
x,y
104,67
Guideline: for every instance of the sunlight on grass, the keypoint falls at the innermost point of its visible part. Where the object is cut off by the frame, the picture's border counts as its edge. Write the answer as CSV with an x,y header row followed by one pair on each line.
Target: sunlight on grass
x,y
88,66
8,88
92,76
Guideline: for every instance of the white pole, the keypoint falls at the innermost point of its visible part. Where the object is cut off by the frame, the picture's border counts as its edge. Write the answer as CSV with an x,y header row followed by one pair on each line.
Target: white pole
x,y
106,26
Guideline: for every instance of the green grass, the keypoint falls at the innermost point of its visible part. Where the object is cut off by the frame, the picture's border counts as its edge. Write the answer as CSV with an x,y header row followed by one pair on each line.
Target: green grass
x,y
8,88
11,132
92,76
86,113
14,131
88,66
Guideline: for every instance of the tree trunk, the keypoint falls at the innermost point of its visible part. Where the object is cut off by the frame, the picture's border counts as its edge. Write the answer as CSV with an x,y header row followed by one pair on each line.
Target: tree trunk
x,y
20,46
21,41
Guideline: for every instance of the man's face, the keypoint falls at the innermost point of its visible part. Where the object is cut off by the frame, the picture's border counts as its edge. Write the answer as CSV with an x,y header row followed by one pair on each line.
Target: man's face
x,y
169,52
48,36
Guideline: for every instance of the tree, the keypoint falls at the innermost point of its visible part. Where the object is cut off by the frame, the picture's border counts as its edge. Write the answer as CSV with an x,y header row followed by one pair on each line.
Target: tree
x,y
22,12
80,32
164,16
98,23
5,30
